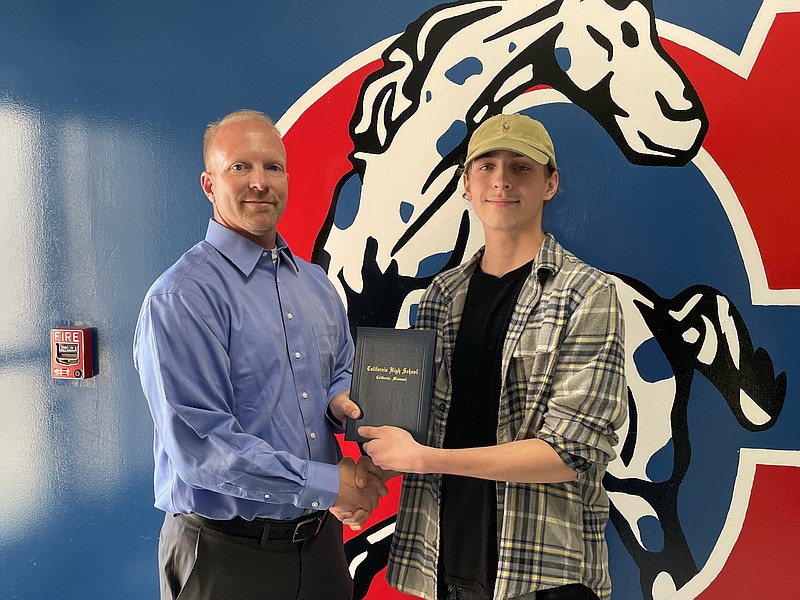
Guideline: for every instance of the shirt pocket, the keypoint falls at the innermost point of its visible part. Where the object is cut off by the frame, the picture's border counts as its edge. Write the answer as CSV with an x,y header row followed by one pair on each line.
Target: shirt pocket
x,y
327,337
531,371
536,344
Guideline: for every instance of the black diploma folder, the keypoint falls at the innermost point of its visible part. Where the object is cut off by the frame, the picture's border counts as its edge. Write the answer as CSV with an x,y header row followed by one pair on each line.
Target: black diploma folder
x,y
392,380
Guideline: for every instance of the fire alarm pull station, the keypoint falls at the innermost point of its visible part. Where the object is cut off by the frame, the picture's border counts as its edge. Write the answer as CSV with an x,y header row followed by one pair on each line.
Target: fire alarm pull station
x,y
71,352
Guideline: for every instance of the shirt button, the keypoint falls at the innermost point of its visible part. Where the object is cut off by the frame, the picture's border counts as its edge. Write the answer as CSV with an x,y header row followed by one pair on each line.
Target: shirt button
x,y
289,316
313,435
266,496
265,254
314,504
305,394
297,355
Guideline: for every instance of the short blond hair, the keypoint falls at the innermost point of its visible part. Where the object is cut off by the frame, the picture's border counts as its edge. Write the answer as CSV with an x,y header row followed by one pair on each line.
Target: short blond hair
x,y
245,114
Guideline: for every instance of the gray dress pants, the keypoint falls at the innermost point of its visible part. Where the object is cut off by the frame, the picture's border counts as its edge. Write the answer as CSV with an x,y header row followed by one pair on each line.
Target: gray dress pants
x,y
198,563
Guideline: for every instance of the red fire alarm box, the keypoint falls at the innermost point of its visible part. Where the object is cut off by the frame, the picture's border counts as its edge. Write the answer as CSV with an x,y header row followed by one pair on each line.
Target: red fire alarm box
x,y
71,352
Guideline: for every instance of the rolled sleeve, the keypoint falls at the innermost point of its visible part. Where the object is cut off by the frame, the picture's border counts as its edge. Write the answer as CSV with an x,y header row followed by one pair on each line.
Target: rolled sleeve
x,y
586,403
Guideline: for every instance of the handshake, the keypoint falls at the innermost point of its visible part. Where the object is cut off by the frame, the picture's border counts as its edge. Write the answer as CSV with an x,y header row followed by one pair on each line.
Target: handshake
x,y
391,451
361,485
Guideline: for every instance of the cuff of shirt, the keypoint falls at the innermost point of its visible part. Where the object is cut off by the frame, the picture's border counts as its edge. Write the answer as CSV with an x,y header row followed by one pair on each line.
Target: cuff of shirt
x,y
322,486
568,453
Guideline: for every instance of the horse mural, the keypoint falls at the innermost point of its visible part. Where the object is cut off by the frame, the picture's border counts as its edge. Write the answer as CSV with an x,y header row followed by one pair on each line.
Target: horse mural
x,y
451,69
666,341
397,219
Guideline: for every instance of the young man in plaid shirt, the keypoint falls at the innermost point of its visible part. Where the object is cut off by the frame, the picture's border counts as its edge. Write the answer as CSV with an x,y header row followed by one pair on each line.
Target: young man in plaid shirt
x,y
506,500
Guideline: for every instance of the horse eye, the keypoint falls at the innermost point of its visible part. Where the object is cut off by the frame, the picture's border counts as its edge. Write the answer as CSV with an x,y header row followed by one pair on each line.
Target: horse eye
x,y
629,35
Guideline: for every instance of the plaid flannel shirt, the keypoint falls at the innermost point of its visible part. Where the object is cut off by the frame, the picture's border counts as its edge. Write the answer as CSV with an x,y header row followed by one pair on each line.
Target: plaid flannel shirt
x,y
563,382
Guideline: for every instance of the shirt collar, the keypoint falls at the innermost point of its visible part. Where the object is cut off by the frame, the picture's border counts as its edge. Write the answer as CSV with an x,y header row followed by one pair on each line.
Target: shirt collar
x,y
548,260
243,253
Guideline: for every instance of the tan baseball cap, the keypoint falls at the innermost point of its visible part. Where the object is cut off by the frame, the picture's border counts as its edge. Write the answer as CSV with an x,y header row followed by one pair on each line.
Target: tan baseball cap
x,y
516,133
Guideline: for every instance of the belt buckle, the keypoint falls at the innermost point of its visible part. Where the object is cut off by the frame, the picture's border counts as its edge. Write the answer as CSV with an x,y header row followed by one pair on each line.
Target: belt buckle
x,y
297,537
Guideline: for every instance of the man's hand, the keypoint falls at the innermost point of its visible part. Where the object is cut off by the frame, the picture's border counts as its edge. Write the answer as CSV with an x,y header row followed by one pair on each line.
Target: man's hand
x,y
365,467
393,449
342,408
356,499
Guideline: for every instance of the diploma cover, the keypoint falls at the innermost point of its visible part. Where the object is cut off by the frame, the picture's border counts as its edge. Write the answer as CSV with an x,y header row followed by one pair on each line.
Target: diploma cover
x,y
393,380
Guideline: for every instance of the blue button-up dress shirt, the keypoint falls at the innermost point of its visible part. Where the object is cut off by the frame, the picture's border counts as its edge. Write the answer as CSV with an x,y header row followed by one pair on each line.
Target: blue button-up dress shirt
x,y
240,350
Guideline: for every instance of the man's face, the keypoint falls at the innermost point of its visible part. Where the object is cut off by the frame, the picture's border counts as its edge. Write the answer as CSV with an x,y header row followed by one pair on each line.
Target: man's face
x,y
246,179
508,191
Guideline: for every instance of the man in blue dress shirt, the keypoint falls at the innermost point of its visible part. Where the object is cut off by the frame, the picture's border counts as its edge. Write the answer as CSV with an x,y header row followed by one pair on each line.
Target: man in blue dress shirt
x,y
244,354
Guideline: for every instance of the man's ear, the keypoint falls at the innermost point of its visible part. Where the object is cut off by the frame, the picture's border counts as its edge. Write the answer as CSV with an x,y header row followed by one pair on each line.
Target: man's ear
x,y
552,186
207,183
467,193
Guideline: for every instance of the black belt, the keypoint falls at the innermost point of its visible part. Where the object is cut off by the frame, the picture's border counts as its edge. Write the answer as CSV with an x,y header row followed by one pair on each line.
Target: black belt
x,y
297,530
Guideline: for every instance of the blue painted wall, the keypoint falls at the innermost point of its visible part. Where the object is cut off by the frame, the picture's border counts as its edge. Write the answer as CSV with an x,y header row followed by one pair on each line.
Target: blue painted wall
x,y
102,108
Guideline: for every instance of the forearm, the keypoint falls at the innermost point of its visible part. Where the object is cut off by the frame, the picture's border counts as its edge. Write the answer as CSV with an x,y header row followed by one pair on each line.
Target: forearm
x,y
247,467
522,461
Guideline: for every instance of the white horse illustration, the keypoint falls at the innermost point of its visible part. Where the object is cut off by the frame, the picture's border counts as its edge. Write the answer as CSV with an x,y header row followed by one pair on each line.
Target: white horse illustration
x,y
451,69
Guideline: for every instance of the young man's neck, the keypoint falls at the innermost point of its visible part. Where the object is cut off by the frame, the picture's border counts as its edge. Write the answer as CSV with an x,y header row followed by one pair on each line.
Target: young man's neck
x,y
504,253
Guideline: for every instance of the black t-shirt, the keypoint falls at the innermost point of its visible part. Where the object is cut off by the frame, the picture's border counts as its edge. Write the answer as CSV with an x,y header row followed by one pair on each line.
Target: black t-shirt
x,y
469,506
